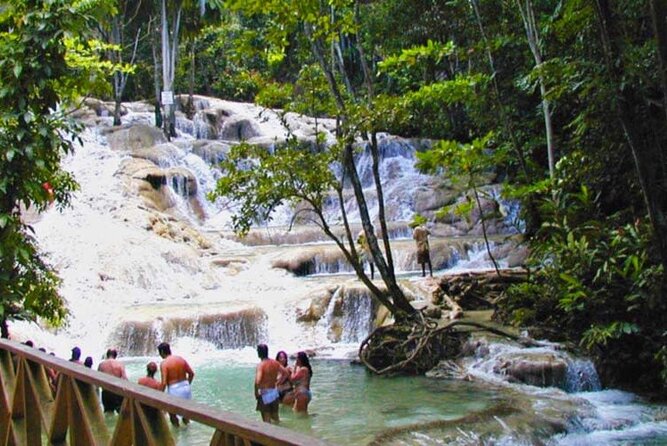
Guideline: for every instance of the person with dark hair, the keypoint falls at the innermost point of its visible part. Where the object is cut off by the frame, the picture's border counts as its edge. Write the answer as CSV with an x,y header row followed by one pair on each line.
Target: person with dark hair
x,y
76,355
149,380
177,376
283,384
420,234
112,366
301,395
266,393
88,362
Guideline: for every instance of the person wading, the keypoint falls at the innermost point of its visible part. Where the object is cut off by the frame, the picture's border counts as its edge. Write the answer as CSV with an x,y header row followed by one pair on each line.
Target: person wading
x,y
266,393
112,366
177,376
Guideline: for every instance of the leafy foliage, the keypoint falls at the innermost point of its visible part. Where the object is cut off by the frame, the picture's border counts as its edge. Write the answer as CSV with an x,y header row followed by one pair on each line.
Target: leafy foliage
x,y
593,282
259,180
38,79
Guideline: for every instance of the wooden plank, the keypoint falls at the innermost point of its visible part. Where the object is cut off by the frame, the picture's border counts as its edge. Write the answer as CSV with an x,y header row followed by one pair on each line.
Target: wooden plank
x,y
7,374
154,425
39,380
122,434
5,409
32,410
86,420
59,420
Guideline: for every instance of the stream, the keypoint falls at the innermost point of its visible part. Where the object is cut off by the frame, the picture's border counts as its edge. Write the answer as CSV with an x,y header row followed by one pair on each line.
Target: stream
x,y
141,265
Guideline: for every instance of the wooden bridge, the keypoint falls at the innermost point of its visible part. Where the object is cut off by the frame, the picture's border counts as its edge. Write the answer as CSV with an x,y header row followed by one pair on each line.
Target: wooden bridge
x,y
30,413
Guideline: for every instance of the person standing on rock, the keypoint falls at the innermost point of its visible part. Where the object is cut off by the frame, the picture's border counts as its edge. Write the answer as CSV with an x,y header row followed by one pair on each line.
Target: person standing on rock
x,y
420,235
112,366
177,376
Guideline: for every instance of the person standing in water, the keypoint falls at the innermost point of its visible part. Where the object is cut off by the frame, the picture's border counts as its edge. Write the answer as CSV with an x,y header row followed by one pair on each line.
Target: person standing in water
x,y
177,376
283,384
420,235
266,393
300,397
149,380
112,366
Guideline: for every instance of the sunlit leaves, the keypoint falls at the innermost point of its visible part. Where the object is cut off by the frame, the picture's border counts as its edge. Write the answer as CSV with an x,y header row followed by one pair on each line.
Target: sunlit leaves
x,y
258,180
40,76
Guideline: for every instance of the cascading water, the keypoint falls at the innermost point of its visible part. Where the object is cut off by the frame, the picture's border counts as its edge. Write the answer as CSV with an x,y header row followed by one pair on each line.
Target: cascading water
x,y
135,274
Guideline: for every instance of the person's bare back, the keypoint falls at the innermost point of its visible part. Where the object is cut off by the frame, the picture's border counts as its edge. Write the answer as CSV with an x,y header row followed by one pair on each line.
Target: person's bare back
x,y
174,369
112,367
267,373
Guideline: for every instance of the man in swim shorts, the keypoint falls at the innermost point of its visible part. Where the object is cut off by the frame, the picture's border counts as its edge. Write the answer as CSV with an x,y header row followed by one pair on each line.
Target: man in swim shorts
x,y
266,393
177,375
112,366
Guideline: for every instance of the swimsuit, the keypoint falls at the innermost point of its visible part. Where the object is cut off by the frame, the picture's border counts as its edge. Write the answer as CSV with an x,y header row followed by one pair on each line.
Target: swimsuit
x,y
269,401
269,395
307,392
180,389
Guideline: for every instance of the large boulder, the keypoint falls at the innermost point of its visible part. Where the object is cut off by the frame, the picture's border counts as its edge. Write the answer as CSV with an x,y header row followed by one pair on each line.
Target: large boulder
x,y
210,151
236,128
541,369
135,137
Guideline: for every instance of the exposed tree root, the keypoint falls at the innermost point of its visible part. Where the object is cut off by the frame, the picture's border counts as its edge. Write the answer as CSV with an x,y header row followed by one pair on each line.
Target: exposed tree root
x,y
417,346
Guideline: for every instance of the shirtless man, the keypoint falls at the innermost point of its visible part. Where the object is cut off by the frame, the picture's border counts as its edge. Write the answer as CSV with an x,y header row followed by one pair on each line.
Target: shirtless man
x,y
266,393
112,366
149,380
177,375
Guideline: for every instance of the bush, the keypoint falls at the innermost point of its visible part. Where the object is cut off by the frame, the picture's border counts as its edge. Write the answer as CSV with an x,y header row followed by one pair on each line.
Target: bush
x,y
596,284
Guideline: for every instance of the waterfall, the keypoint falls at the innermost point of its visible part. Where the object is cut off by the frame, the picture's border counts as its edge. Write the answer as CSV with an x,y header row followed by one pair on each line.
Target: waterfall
x,y
582,376
537,366
358,313
240,329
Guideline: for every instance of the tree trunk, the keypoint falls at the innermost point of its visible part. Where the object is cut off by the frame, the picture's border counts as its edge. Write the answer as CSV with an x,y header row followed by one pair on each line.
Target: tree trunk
x,y
533,36
169,55
156,80
659,19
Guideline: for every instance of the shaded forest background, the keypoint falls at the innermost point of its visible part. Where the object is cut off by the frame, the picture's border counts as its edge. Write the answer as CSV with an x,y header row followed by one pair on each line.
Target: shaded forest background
x,y
565,102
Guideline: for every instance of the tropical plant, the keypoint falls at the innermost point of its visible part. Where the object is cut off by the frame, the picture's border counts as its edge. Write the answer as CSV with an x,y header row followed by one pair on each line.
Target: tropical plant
x,y
40,75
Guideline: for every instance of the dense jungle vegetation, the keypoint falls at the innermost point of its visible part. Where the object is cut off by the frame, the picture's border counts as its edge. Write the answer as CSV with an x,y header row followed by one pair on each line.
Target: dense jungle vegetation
x,y
565,102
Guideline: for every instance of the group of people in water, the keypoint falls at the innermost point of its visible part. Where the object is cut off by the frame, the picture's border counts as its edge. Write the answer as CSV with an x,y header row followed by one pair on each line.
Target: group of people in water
x,y
176,377
276,382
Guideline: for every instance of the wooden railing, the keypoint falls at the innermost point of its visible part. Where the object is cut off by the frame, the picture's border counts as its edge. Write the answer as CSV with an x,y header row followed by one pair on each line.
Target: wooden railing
x,y
30,414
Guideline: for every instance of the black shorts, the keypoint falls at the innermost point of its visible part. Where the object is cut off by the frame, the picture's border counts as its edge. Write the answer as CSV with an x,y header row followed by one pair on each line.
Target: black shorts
x,y
111,402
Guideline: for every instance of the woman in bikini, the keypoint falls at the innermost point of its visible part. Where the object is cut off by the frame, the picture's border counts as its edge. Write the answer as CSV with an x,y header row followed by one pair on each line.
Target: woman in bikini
x,y
301,395
283,384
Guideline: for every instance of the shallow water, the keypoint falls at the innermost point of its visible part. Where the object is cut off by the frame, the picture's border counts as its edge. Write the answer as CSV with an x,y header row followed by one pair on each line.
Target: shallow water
x,y
349,405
